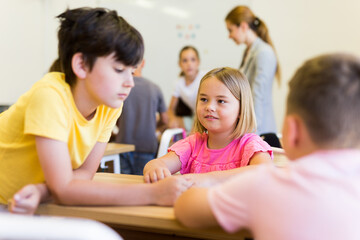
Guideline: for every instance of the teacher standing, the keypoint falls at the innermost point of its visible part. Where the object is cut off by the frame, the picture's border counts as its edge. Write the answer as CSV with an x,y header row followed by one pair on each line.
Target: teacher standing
x,y
259,62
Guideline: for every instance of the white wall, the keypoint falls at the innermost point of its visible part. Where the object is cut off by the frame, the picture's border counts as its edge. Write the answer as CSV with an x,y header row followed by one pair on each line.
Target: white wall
x,y
21,61
300,29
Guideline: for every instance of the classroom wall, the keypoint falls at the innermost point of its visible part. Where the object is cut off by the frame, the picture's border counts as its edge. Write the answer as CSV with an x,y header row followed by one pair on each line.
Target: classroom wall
x,y
300,29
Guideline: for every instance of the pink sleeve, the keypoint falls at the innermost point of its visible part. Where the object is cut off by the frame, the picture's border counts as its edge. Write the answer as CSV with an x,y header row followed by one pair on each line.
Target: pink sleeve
x,y
183,149
253,144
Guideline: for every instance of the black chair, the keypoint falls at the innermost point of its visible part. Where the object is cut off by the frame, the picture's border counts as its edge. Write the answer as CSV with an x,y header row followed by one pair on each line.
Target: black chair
x,y
3,108
271,139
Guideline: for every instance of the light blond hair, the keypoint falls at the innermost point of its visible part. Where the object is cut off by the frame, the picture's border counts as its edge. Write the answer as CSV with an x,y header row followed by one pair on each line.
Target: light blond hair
x,y
239,86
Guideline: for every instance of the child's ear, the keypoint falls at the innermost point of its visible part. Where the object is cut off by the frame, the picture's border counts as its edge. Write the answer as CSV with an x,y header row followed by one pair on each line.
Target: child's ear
x,y
78,65
296,139
291,132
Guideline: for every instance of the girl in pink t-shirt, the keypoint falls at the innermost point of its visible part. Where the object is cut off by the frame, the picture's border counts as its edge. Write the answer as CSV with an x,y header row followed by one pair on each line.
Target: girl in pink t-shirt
x,y
223,143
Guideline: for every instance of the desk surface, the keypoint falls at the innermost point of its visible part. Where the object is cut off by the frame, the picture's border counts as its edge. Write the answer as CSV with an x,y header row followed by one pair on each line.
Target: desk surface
x,y
280,158
116,148
153,219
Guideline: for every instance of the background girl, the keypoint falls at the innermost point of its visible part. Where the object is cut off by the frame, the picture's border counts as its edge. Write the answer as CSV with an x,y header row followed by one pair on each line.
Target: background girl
x,y
186,89
259,62
223,138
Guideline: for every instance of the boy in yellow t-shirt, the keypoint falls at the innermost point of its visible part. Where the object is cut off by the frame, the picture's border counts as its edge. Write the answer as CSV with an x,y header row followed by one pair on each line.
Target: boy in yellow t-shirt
x,y
57,132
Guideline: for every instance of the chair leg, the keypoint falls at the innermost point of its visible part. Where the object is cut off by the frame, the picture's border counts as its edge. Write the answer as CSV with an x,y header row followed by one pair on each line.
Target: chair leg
x,y
115,159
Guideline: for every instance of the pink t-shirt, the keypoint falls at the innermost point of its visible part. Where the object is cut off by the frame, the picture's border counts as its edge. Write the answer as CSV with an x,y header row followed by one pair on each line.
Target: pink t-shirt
x,y
314,197
196,157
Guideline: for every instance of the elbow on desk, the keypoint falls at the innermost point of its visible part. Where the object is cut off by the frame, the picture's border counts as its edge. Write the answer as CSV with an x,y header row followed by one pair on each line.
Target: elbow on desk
x,y
189,220
192,209
185,215
66,196
62,199
183,218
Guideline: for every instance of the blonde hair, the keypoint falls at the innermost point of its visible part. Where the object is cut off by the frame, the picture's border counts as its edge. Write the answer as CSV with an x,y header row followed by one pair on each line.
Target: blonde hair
x,y
244,14
239,86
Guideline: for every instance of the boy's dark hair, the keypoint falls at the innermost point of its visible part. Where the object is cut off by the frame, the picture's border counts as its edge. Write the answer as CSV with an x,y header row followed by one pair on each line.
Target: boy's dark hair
x,y
96,32
55,66
325,92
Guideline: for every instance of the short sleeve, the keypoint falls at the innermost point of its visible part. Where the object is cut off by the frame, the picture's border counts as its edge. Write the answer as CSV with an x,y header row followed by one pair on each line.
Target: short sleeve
x,y
111,119
230,202
253,144
183,149
177,88
47,115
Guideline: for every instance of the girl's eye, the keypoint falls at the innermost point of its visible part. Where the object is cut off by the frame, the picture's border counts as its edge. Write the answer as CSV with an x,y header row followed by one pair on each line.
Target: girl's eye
x,y
203,99
221,101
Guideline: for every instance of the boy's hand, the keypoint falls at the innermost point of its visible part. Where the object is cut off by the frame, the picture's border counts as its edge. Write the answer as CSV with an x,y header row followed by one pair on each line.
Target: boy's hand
x,y
169,189
155,170
201,179
26,200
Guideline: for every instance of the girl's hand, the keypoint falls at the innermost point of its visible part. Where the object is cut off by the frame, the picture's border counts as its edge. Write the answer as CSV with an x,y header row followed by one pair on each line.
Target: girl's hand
x,y
26,200
169,189
155,170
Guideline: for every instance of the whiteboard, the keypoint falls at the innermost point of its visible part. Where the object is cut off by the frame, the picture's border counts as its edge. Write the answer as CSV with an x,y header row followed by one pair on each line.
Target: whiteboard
x,y
169,25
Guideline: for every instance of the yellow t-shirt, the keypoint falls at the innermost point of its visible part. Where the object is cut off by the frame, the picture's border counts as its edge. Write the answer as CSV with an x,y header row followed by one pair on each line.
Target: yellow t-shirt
x,y
47,109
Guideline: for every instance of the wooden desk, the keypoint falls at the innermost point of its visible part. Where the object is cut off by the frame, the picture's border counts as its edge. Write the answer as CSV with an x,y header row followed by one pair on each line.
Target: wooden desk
x,y
138,222
280,159
116,148
112,154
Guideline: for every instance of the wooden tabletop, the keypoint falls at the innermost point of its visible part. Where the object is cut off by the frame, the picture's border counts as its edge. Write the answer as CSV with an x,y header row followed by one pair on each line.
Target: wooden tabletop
x,y
141,218
145,219
116,148
280,158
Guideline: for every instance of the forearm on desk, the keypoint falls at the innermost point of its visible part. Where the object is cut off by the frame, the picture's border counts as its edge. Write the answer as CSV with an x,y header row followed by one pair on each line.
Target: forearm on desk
x,y
87,192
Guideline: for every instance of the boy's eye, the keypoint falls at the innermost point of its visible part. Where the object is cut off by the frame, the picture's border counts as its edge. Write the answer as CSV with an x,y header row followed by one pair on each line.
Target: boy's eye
x,y
119,70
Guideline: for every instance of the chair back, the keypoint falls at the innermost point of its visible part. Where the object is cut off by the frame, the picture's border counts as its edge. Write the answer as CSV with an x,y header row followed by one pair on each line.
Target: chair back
x,y
26,227
167,138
